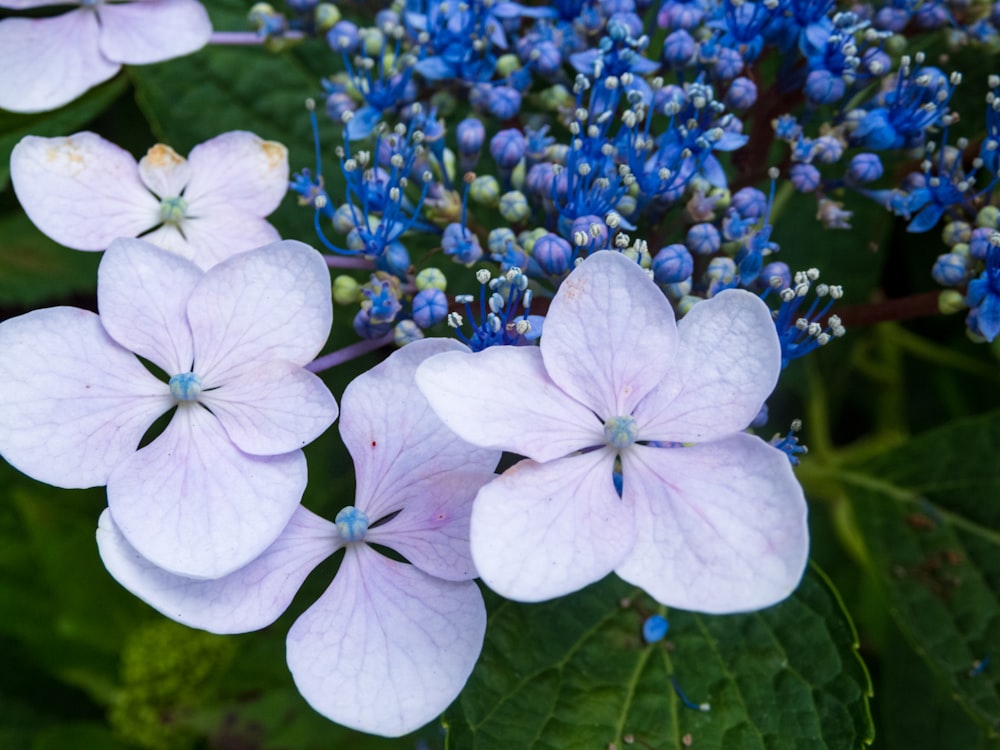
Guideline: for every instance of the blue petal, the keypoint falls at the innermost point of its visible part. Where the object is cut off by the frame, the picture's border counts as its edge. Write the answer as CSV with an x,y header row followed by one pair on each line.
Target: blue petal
x,y
362,124
989,317
926,219
434,68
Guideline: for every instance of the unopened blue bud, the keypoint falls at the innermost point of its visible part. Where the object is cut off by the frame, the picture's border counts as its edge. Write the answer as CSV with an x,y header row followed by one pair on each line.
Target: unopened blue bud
x,y
507,147
672,265
805,177
471,135
864,168
552,253
504,102
750,202
430,307
703,239
950,269
343,37
352,524
678,48
823,87
729,64
742,94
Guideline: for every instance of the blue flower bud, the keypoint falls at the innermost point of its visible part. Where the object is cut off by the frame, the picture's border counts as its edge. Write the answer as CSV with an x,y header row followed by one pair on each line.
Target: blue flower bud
x,y
950,269
471,136
672,264
742,94
827,149
395,259
553,254
343,37
703,239
805,177
678,48
750,202
507,147
979,242
503,102
824,87
430,307
864,168
729,64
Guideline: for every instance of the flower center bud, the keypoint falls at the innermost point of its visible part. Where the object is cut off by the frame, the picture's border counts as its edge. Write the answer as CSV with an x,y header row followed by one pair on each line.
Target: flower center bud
x,y
185,387
621,432
173,210
352,524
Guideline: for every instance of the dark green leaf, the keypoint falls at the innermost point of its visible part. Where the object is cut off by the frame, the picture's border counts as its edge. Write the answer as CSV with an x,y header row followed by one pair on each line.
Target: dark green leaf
x,y
929,516
575,673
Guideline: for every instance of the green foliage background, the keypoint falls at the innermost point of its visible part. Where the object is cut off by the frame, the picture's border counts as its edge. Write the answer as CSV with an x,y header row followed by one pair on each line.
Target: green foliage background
x,y
880,641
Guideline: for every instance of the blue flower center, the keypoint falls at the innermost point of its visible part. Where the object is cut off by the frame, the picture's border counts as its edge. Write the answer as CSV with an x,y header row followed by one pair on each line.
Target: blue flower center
x,y
173,210
621,432
352,524
185,387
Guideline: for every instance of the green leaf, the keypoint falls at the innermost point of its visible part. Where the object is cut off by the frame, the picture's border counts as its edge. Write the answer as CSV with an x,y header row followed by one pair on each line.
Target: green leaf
x,y
575,673
63,121
929,514
34,270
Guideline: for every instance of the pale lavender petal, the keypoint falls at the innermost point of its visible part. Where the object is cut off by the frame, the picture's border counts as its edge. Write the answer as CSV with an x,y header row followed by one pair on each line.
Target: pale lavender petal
x,y
543,530
387,648
238,172
727,364
193,504
149,31
268,304
502,398
142,294
275,408
73,404
609,334
81,190
721,525
221,234
49,62
401,450
169,238
406,460
248,599
164,171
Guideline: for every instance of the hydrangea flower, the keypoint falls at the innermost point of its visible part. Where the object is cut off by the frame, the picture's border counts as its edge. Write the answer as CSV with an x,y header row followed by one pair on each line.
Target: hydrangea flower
x,y
49,62
221,481
84,192
389,645
706,517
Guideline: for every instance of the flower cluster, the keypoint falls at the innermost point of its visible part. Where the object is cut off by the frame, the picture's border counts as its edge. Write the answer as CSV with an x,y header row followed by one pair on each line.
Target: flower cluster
x,y
602,170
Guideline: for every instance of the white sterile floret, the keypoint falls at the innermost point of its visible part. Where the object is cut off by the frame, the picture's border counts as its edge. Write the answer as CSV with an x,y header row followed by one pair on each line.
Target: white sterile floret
x,y
84,191
706,517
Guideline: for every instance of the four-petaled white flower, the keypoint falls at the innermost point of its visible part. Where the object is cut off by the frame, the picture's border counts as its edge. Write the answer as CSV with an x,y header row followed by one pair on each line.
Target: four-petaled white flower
x,y
217,487
49,62
708,518
84,192
389,645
